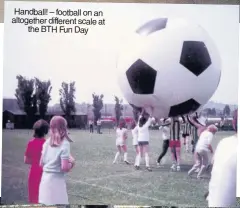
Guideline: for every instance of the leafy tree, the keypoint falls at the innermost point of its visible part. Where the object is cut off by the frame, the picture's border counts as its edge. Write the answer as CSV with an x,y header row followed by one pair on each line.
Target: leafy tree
x,y
67,100
26,98
226,110
207,111
118,109
43,91
213,112
97,106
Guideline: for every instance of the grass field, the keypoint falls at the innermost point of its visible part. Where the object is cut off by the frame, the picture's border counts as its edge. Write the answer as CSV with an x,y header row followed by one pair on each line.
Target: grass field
x,y
95,180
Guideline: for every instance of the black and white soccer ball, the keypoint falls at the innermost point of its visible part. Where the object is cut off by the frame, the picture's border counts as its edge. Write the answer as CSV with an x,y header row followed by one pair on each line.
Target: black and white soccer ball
x,y
171,65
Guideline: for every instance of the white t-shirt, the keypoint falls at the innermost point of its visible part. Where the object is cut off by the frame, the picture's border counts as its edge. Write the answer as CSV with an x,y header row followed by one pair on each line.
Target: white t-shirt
x,y
90,122
165,132
222,186
52,156
135,135
143,131
120,133
204,141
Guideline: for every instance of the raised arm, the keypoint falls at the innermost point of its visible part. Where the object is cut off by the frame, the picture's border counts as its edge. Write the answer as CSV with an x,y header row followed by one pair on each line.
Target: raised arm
x,y
193,122
165,124
183,119
135,130
149,121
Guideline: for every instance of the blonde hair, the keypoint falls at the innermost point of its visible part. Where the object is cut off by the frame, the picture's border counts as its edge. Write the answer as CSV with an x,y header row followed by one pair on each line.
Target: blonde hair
x,y
212,128
58,131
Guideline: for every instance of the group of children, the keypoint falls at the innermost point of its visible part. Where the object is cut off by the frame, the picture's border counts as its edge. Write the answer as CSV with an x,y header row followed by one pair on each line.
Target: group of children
x,y
49,159
140,133
173,130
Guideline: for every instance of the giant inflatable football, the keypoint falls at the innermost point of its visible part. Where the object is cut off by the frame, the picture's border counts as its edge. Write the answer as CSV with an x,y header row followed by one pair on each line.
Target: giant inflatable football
x,y
169,64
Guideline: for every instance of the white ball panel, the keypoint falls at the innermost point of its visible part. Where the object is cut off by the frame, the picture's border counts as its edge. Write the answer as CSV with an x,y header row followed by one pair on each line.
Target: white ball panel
x,y
174,83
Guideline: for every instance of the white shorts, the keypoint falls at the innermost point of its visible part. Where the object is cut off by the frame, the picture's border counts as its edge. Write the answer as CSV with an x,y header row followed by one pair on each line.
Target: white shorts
x,y
120,142
135,142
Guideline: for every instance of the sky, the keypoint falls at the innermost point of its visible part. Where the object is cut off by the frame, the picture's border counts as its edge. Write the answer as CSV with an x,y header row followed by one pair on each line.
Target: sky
x,y
90,60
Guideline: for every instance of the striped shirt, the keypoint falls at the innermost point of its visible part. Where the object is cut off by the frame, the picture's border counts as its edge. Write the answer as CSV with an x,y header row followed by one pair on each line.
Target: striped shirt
x,y
186,128
175,129
194,130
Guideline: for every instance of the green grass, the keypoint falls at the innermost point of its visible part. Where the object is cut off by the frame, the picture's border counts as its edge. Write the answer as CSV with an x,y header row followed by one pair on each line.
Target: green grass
x,y
95,180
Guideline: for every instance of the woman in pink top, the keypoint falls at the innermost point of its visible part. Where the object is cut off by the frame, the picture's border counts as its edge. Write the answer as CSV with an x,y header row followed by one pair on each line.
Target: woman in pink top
x,y
32,157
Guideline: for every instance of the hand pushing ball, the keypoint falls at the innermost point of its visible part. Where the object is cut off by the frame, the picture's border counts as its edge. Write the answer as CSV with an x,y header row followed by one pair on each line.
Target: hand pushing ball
x,y
171,65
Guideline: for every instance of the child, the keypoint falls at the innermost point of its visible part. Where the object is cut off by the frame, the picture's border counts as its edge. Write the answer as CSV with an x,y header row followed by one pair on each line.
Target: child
x,y
186,133
32,157
56,160
121,134
198,126
174,142
143,139
135,140
90,126
165,145
201,151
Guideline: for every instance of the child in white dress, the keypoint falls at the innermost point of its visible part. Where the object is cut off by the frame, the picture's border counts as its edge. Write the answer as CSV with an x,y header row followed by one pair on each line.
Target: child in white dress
x,y
121,137
56,160
144,123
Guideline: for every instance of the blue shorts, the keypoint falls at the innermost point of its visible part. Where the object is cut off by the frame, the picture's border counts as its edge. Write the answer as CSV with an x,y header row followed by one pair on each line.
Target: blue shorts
x,y
143,143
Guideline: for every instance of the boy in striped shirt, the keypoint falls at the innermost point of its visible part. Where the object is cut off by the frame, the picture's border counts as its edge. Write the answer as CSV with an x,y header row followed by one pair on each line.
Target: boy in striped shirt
x,y
186,133
174,142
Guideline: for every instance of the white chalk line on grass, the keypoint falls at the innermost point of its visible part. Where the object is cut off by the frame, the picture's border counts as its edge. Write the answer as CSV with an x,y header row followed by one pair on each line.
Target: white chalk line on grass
x,y
161,202
111,176
122,192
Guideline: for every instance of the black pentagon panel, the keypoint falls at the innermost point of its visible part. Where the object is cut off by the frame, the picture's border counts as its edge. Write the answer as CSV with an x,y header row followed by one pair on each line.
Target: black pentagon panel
x,y
195,57
152,26
141,78
135,107
184,108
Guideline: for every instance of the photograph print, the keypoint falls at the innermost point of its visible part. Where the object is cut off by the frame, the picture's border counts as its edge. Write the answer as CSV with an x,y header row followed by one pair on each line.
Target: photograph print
x,y
122,104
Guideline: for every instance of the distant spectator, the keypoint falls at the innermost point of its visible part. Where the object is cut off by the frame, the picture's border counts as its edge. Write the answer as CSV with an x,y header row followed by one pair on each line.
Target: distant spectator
x,y
221,124
99,123
9,125
32,157
90,123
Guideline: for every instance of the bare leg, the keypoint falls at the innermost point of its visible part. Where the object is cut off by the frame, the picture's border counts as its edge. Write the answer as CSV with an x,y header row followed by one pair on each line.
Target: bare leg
x,y
146,153
187,143
124,148
197,164
204,157
137,152
117,154
139,156
178,155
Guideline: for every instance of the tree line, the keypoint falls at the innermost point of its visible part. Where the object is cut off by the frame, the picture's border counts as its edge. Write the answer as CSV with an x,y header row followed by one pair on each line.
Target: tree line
x,y
33,96
224,113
